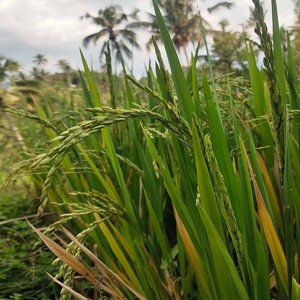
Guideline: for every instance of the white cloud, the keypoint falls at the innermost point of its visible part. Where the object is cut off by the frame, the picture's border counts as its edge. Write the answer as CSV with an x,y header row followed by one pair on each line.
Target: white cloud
x,y
54,28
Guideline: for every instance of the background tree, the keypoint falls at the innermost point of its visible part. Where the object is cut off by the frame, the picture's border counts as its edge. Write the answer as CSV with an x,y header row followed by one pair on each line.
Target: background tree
x,y
40,59
38,72
183,21
7,66
113,23
65,67
228,48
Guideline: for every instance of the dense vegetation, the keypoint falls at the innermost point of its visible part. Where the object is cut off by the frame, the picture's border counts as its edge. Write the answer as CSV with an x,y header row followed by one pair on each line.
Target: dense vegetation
x,y
183,185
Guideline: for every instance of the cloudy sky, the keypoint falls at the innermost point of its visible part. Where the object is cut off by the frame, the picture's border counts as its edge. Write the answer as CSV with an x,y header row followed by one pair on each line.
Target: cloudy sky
x,y
54,28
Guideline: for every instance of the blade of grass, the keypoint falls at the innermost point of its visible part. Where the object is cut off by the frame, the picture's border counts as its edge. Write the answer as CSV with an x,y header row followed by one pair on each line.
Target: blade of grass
x,y
67,288
184,98
278,57
205,187
119,253
296,290
196,261
257,251
102,266
93,89
221,149
269,230
66,257
232,287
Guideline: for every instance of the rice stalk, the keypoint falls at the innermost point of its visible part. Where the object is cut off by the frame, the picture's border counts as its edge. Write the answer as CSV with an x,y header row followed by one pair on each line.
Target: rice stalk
x,y
42,121
269,61
225,205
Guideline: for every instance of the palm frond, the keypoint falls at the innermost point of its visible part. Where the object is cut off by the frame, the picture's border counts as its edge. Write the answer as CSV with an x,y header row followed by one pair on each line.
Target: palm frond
x,y
94,37
224,4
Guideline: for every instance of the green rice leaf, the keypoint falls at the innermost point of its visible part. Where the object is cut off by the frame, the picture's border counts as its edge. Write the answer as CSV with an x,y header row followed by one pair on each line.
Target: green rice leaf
x,y
220,146
205,188
232,287
182,90
93,89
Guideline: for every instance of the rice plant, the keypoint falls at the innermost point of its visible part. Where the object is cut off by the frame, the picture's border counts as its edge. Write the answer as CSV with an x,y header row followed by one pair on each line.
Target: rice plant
x,y
191,194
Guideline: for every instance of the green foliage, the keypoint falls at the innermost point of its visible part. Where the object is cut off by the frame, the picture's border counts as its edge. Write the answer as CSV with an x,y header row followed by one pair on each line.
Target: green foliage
x,y
7,66
229,49
191,194
22,269
182,20
113,23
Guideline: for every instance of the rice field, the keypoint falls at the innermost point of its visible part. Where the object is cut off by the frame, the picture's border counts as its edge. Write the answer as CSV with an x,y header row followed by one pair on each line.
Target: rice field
x,y
181,187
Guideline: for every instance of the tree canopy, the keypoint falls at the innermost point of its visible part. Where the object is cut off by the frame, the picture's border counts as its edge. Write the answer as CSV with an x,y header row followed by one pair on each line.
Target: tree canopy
x,y
113,24
7,66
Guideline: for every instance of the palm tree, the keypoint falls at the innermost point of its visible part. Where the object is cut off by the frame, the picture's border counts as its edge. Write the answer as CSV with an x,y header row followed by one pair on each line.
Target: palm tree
x,y
7,66
38,72
113,23
182,20
65,67
40,59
